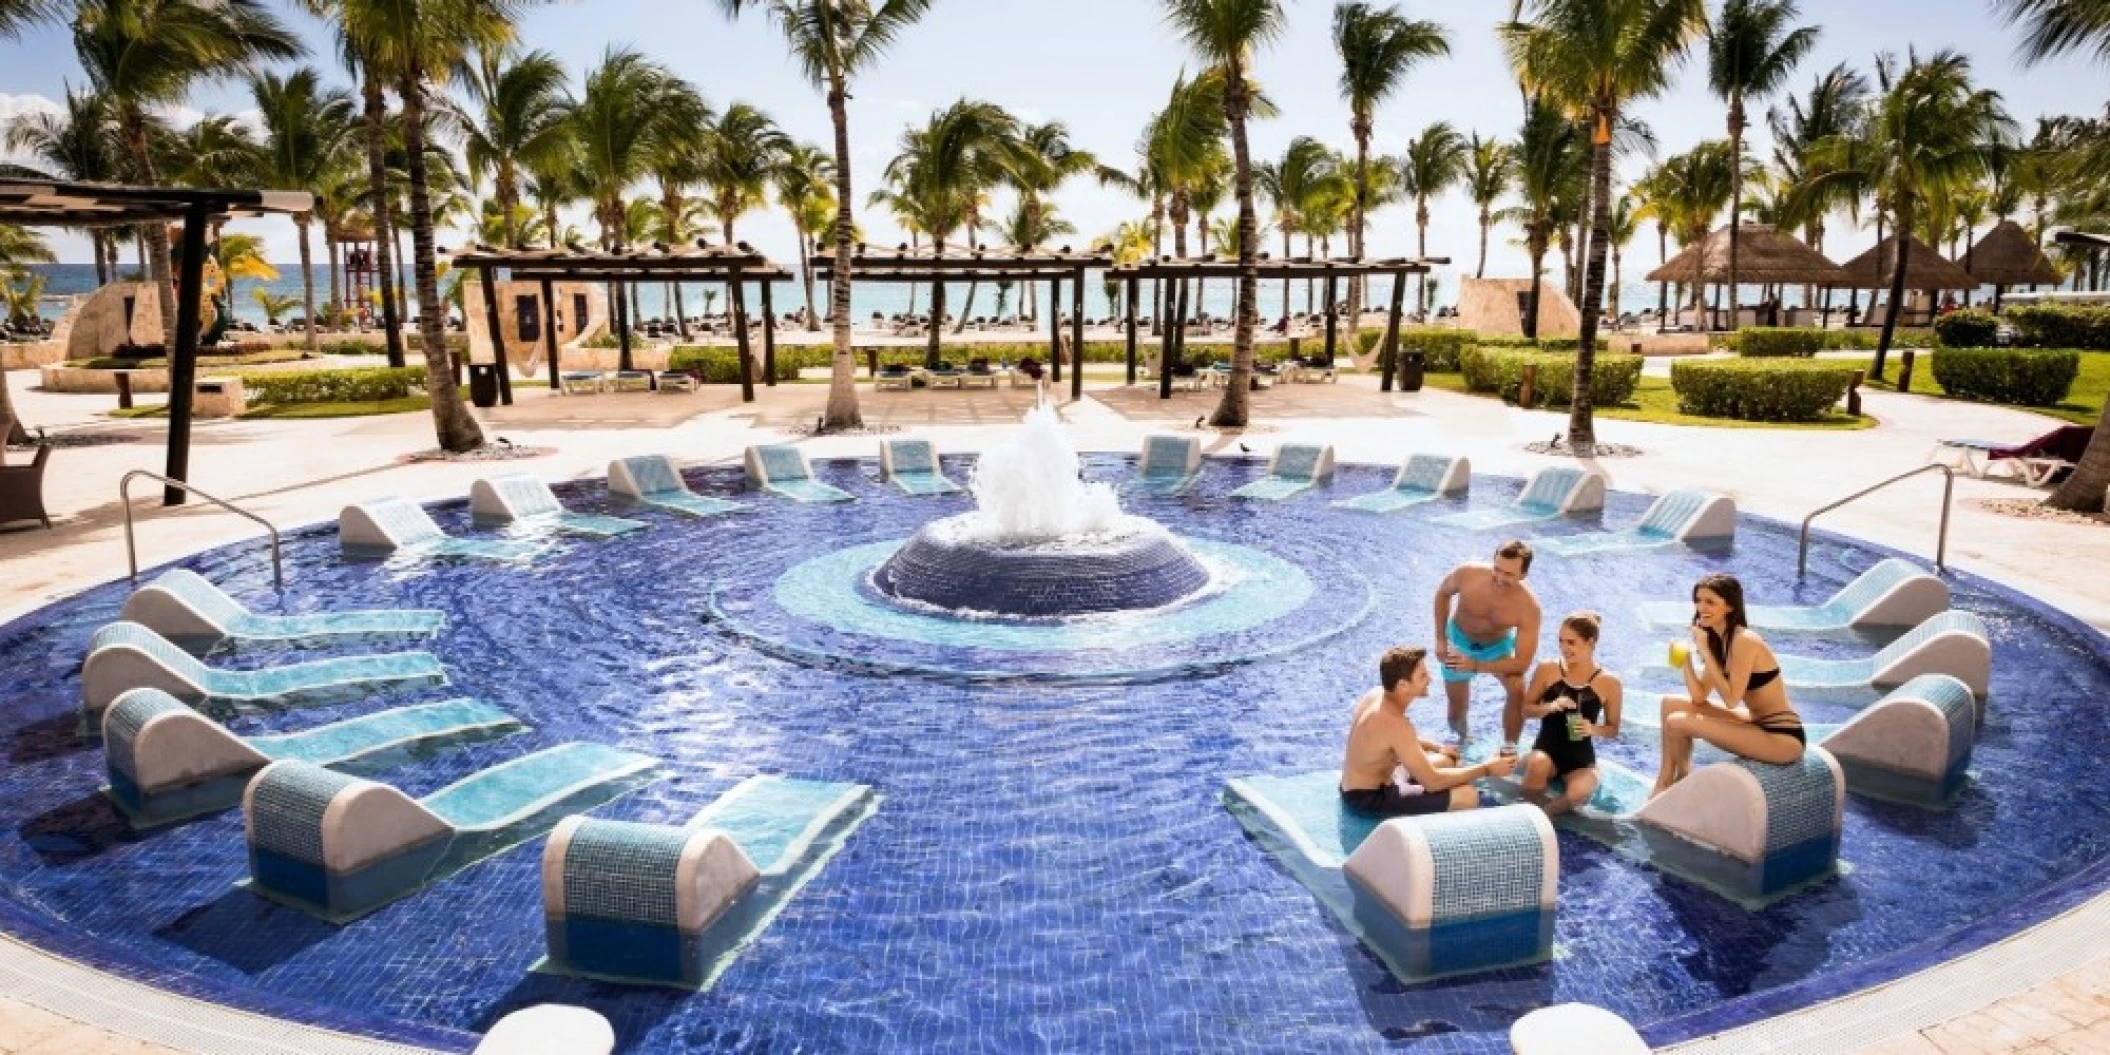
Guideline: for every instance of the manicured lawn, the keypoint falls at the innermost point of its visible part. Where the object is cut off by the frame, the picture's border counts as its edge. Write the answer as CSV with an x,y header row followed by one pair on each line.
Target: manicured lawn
x,y
1655,401
369,408
2083,406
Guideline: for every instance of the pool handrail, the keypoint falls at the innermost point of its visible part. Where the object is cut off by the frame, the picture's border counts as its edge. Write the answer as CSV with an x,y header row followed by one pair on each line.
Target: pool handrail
x,y
1941,538
124,499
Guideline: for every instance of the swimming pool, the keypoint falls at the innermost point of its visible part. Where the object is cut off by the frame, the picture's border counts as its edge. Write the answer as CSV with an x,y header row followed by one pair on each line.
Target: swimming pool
x,y
1052,865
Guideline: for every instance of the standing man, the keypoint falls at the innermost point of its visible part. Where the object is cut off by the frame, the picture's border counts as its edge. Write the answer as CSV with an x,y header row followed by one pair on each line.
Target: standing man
x,y
1493,630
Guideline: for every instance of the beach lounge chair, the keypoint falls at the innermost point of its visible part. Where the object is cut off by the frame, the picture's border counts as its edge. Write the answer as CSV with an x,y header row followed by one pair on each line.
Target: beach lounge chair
x,y
629,381
651,480
664,905
1952,643
573,382
125,656
894,376
1892,593
1553,492
2036,463
1294,469
1170,465
979,372
183,607
1421,478
912,465
526,502
781,469
398,525
1680,516
168,762
340,846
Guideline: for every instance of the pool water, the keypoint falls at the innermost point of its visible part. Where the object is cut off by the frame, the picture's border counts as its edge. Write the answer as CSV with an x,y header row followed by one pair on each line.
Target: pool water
x,y
1052,865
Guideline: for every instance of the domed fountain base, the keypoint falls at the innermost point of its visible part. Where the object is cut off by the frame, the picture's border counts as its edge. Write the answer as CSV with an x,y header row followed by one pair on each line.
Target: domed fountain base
x,y
1134,567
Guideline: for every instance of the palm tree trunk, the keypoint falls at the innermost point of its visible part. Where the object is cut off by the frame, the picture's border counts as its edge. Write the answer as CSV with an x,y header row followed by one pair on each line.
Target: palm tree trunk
x,y
307,279
813,322
1486,221
160,265
384,228
1358,223
1582,425
2083,491
331,249
842,387
1736,206
1421,249
1285,277
1897,287
1234,411
937,309
509,203
1662,288
1538,280
973,285
456,429
97,242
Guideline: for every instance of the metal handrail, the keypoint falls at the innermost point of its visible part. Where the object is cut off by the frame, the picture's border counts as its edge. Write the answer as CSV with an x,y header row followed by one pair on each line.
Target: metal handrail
x,y
1941,540
124,498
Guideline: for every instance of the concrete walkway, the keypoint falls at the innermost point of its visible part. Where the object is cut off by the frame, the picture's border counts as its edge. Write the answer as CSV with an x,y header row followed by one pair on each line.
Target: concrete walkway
x,y
295,472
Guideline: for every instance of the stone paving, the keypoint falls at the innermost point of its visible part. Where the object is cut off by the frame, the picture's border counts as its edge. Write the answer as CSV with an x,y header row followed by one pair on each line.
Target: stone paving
x,y
295,472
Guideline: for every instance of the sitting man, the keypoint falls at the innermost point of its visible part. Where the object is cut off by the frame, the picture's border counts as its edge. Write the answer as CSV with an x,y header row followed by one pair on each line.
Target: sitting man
x,y
1494,630
1382,742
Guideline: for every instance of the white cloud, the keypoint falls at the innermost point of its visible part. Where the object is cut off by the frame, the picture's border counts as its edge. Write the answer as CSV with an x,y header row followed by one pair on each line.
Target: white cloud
x,y
13,106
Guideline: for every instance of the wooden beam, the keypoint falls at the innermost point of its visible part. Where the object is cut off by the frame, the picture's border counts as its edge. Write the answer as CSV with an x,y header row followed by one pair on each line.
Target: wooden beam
x,y
1332,293
737,293
492,323
769,337
1077,336
1055,330
1391,352
1129,301
183,352
549,331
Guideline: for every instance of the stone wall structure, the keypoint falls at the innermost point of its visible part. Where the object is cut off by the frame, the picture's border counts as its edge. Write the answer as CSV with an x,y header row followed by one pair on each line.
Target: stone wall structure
x,y
1495,307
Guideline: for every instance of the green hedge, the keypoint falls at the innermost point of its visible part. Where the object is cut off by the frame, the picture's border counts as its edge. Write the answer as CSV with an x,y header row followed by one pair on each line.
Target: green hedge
x,y
721,366
1501,371
1759,389
2022,377
364,384
793,358
1854,340
1440,348
1969,328
1778,342
2046,326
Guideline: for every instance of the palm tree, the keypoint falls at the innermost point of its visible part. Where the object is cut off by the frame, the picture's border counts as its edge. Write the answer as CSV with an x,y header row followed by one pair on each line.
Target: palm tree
x,y
834,41
1224,33
1489,167
1545,157
1750,52
19,246
1837,105
948,167
805,178
1625,223
514,122
1377,50
78,144
1595,57
1436,160
1295,187
738,156
307,131
142,54
242,256
1691,191
15,15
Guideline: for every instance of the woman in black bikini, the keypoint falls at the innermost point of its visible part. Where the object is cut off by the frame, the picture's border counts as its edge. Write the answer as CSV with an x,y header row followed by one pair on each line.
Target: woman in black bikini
x,y
1575,701
1754,718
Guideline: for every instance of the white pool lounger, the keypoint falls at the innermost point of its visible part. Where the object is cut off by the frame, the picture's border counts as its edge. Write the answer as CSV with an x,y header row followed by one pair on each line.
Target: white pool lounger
x,y
526,502
185,608
651,480
1422,478
398,525
1294,469
1892,593
912,466
1953,643
125,656
1680,516
1170,465
1552,493
782,470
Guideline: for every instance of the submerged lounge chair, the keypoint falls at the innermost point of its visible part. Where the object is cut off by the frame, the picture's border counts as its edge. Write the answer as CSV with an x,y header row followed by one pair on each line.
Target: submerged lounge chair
x,y
527,502
1553,492
168,762
1422,478
398,525
1952,643
1294,469
125,656
781,470
1680,516
185,608
339,846
1892,593
912,465
1170,465
651,480
663,905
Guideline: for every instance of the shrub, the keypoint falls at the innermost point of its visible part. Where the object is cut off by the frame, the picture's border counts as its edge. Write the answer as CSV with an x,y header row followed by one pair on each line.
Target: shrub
x,y
1501,370
1759,389
1549,344
2021,377
1778,342
364,384
1969,328
2046,326
721,366
1440,348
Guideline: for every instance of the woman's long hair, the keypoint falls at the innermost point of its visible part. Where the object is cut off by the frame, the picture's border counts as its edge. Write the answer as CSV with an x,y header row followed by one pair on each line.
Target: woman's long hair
x,y
1732,594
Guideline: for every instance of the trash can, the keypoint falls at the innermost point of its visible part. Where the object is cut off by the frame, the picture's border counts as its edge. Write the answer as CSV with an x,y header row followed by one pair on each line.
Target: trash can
x,y
483,384
1411,367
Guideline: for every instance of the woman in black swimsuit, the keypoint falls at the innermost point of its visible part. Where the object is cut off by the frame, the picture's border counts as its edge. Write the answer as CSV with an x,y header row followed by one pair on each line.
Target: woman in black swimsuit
x,y
1575,701
1753,717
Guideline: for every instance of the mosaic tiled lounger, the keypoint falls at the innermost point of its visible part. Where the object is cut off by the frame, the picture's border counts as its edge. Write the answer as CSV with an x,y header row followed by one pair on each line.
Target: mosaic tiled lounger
x,y
664,905
1422,478
1680,516
124,656
912,465
1432,896
398,525
781,470
652,480
340,846
168,762
1552,493
183,607
526,502
1952,643
1170,465
1892,593
1294,469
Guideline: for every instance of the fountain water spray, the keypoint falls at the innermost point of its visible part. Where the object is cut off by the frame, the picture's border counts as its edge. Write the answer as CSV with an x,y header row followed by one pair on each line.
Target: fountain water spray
x,y
1027,488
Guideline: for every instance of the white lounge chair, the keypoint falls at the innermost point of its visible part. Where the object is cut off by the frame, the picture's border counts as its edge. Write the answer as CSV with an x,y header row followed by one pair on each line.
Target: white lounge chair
x,y
1680,516
782,470
1953,643
1294,469
652,480
398,525
125,656
1552,493
1422,478
526,502
1891,593
196,615
1170,465
912,465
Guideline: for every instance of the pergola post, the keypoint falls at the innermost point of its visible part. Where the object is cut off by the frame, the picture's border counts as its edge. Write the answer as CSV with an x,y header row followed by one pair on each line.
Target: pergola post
x,y
1134,288
622,324
1077,335
736,291
1055,330
549,331
183,357
498,337
769,336
1164,344
1332,291
1391,352
1179,324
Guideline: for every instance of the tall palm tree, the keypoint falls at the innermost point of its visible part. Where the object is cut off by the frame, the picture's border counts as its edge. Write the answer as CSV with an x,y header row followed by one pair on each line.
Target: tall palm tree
x,y
805,185
513,122
1377,48
630,108
1837,105
307,133
738,156
143,54
1298,186
1691,191
1751,50
1225,33
18,246
834,41
948,167
1624,225
1435,161
376,139
1595,57
1490,165
79,143
1546,179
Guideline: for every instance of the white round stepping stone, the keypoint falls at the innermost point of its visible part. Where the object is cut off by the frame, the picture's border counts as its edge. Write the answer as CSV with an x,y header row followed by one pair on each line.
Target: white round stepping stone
x,y
1574,1027
549,1029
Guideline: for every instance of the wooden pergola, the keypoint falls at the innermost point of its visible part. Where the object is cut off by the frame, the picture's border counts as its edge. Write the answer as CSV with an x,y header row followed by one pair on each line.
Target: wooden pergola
x,y
47,203
903,265
1173,337
735,265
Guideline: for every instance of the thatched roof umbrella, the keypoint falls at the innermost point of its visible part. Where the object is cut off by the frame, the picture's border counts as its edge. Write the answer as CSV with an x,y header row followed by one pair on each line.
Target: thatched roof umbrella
x,y
1925,269
2007,256
1766,257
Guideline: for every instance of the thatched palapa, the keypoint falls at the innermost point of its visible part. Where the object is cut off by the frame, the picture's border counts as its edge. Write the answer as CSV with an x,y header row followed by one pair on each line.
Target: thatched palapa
x,y
2007,256
1925,269
1764,257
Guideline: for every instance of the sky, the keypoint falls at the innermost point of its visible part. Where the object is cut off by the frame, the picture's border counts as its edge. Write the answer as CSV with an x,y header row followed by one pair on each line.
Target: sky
x,y
1103,66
